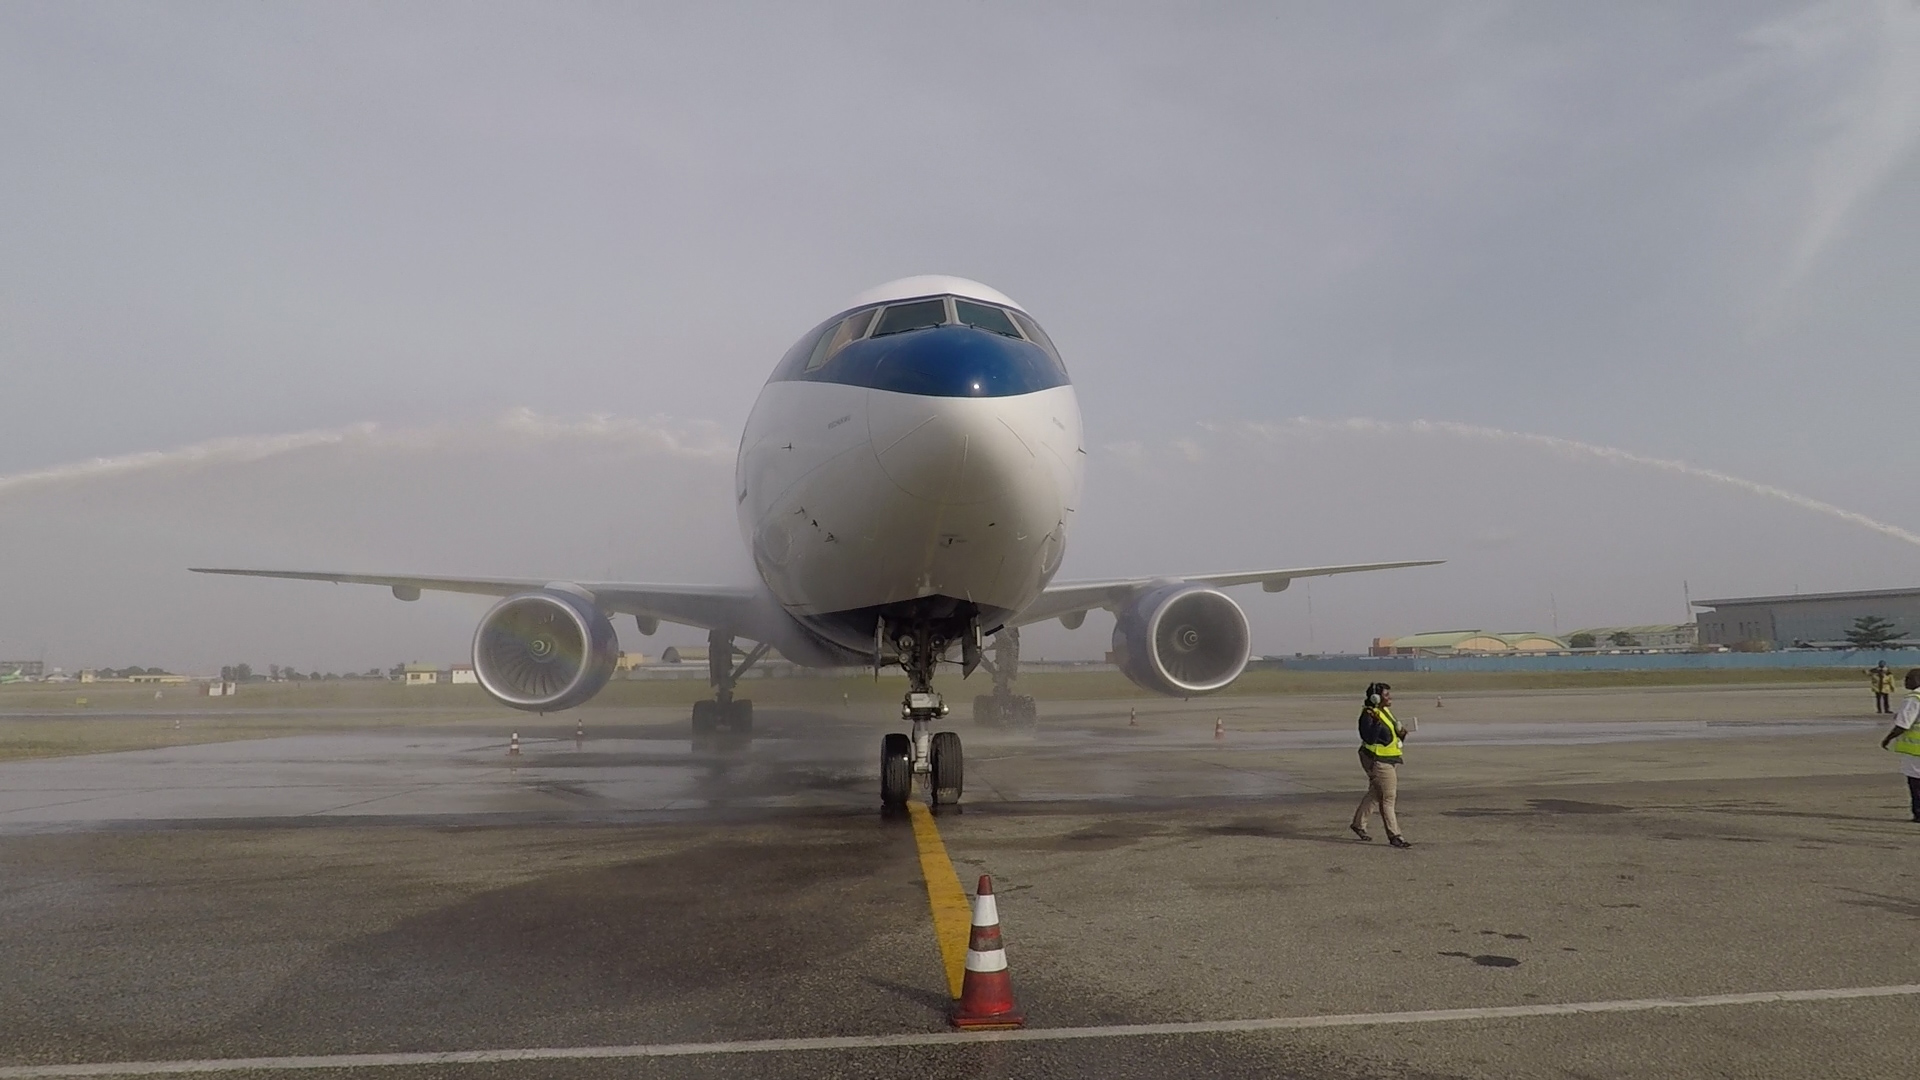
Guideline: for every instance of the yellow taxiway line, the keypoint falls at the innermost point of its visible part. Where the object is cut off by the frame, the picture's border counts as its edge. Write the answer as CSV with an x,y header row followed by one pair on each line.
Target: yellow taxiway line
x,y
952,914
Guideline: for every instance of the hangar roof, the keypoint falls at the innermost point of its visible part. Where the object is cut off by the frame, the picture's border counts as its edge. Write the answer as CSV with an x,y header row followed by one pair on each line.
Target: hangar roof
x,y
1869,594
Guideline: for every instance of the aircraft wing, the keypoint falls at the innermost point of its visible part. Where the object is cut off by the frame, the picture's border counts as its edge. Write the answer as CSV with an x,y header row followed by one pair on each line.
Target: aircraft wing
x,y
1069,598
703,606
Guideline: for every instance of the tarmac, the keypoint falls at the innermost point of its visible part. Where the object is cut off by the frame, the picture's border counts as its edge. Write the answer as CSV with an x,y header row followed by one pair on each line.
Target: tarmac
x,y
1684,882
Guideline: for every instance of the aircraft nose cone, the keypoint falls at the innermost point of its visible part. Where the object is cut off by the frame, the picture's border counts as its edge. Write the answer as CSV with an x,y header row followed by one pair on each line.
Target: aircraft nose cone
x,y
950,451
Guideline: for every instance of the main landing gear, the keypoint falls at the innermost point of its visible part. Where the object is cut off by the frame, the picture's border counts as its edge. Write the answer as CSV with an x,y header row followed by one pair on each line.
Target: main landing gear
x,y
934,756
724,713
1003,707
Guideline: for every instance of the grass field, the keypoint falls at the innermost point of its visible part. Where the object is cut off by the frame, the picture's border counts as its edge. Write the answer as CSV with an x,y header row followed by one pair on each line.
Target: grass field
x,y
38,720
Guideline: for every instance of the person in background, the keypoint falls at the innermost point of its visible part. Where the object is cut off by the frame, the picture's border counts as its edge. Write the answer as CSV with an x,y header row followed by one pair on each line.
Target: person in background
x,y
1904,739
1380,739
1882,682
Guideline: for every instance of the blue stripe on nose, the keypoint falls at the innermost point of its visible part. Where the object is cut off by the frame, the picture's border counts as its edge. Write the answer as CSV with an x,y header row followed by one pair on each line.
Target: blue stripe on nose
x,y
944,361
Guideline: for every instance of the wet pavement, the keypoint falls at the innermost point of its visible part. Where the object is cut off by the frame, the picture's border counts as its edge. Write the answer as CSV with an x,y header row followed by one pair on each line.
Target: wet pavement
x,y
417,889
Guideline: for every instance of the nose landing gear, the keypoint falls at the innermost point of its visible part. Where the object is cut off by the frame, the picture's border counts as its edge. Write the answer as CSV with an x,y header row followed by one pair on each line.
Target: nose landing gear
x,y
934,757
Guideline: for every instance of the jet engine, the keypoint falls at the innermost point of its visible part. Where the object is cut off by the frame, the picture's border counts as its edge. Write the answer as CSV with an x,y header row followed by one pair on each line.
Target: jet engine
x,y
1182,640
545,651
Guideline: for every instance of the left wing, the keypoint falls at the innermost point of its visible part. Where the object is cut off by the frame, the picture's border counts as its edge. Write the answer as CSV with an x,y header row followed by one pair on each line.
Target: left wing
x,y
1068,599
707,607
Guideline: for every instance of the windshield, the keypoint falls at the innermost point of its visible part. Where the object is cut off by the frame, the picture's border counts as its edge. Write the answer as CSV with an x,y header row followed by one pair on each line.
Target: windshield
x,y
917,315
985,317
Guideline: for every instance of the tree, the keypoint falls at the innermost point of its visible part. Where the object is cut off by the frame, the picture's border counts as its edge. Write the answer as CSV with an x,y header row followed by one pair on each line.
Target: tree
x,y
243,673
1623,639
1582,640
1872,631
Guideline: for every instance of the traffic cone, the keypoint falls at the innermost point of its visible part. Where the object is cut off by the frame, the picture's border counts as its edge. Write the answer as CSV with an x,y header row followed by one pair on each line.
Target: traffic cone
x,y
513,746
1219,728
986,994
1133,718
1438,704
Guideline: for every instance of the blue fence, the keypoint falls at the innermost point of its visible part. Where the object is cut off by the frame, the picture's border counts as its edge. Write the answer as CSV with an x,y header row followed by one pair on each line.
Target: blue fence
x,y
1898,659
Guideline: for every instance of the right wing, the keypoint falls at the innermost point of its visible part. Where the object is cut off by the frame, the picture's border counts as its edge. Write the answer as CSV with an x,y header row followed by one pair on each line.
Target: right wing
x,y
1070,598
708,607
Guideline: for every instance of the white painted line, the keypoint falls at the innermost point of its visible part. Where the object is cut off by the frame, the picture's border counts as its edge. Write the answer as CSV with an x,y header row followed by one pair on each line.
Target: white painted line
x,y
931,1038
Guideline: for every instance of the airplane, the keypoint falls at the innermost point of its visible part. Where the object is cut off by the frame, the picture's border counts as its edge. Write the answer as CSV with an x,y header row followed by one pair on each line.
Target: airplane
x,y
906,485
14,676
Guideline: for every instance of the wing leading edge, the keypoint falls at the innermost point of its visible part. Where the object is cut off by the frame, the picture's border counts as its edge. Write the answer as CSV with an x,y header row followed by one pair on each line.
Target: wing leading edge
x,y
707,607
1070,598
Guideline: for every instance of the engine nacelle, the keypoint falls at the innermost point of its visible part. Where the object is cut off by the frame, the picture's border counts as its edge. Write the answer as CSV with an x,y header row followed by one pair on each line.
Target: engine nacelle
x,y
544,651
1182,640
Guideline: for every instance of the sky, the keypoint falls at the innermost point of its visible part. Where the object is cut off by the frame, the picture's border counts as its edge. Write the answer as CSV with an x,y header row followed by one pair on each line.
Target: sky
x,y
490,288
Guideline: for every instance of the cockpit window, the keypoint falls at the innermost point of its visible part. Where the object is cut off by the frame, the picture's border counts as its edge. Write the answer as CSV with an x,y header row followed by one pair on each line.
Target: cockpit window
x,y
985,317
918,315
851,329
1037,336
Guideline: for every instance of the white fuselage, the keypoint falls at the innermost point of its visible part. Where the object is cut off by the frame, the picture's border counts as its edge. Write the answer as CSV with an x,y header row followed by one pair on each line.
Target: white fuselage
x,y
855,500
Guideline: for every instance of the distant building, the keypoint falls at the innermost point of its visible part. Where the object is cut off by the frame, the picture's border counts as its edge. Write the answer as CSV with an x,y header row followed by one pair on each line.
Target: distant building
x,y
1467,642
420,674
163,680
684,654
26,669
462,675
629,660
1809,618
1650,636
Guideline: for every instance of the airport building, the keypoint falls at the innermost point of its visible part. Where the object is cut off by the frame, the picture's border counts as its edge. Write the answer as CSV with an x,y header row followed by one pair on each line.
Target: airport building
x,y
1805,618
1646,636
26,669
1463,642
421,674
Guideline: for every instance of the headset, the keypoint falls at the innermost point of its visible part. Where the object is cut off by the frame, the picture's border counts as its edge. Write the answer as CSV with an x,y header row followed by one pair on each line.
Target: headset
x,y
1373,692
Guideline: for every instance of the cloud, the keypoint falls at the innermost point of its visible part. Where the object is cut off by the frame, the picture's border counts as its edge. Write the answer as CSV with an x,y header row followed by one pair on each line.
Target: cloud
x,y
1865,128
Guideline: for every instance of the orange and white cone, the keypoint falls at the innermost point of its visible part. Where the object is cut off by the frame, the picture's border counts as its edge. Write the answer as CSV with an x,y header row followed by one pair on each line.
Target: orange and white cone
x,y
513,745
986,994
1219,727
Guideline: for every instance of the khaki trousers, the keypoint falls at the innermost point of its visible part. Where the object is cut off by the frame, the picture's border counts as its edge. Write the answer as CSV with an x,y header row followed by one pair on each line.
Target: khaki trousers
x,y
1383,781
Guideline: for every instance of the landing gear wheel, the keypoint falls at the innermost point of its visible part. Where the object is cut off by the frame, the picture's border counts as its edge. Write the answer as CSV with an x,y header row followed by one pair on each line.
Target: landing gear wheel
x,y
706,716
984,712
948,768
896,770
739,716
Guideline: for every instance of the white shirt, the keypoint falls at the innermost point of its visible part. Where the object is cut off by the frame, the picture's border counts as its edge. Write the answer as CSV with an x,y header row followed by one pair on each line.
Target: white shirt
x,y
1909,714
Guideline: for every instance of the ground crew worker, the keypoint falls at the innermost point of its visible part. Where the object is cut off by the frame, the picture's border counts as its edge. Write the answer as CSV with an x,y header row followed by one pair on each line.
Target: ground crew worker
x,y
1882,681
1380,739
1905,738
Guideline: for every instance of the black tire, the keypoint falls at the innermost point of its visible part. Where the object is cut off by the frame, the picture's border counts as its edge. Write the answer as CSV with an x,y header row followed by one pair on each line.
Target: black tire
x,y
949,768
984,713
706,715
740,716
896,769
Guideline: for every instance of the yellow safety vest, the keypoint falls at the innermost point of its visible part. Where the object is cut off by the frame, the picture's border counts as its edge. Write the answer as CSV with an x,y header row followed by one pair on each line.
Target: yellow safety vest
x,y
1882,681
1390,750
1909,740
